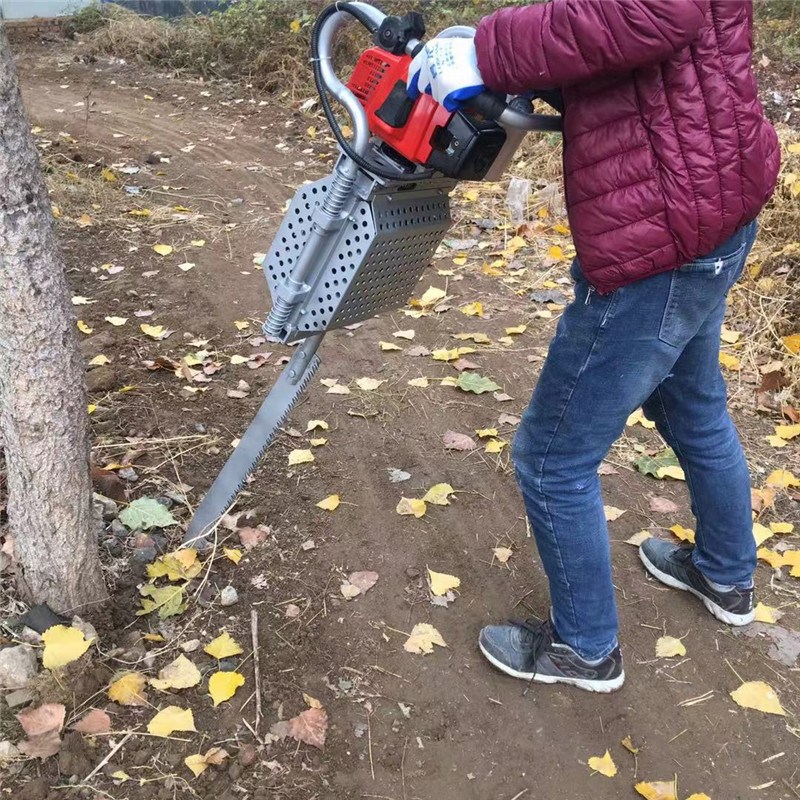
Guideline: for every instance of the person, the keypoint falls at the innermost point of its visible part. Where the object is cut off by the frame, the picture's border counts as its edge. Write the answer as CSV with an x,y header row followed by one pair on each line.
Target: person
x,y
668,159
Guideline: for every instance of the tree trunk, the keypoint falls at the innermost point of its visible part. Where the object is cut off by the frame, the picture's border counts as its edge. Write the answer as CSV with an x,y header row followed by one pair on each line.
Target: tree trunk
x,y
43,406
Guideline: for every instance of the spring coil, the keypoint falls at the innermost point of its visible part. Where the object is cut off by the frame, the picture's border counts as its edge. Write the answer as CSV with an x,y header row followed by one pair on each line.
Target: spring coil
x,y
278,317
339,194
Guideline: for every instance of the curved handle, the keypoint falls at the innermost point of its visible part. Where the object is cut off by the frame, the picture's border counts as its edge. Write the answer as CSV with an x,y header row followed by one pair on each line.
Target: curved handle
x,y
494,106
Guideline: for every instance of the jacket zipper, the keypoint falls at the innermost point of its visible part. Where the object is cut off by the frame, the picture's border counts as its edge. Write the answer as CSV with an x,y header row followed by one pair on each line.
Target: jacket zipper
x,y
589,294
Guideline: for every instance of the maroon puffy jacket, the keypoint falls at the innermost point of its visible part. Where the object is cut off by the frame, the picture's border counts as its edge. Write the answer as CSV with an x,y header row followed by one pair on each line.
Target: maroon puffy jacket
x,y
666,148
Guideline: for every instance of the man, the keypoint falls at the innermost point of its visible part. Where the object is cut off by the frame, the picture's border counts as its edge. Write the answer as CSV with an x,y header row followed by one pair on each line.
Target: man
x,y
668,160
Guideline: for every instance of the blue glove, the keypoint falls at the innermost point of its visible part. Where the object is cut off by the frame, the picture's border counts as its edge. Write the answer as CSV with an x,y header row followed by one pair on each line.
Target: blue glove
x,y
446,69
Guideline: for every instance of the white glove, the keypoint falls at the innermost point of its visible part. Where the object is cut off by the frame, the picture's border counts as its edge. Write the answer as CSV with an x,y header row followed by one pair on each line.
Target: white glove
x,y
448,70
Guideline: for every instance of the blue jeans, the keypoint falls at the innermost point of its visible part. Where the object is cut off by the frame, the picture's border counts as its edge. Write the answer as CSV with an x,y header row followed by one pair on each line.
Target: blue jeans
x,y
654,344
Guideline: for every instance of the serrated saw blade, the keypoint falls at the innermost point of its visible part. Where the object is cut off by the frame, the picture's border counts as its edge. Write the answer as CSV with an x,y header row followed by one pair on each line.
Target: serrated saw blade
x,y
244,459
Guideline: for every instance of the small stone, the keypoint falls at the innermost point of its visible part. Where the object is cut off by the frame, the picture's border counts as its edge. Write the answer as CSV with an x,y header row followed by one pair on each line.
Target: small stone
x,y
128,474
229,596
165,501
17,666
107,507
143,540
29,636
235,771
8,751
118,529
159,542
190,646
142,557
292,611
101,379
20,697
113,547
228,665
360,729
248,755
308,545
88,630
413,573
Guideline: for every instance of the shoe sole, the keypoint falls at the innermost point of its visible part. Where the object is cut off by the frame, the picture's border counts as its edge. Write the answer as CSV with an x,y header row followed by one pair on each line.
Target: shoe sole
x,y
728,617
602,687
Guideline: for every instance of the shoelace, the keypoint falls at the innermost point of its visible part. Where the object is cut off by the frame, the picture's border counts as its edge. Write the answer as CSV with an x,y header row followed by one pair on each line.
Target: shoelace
x,y
542,632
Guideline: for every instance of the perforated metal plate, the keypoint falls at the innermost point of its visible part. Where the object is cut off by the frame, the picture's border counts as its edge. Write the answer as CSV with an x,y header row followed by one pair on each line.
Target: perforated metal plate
x,y
374,261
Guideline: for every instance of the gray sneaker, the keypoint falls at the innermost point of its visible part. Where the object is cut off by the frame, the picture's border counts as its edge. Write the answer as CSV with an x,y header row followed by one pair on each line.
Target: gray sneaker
x,y
672,564
530,650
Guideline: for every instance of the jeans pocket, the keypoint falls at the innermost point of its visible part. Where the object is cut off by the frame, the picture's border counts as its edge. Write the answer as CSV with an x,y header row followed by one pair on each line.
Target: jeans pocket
x,y
695,290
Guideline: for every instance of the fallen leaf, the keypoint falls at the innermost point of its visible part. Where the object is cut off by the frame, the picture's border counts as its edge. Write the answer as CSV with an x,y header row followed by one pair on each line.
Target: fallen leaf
x,y
729,361
163,249
438,495
408,506
419,383
627,743
663,505
669,647
368,384
772,558
363,581
458,441
241,324
116,321
781,527
767,614
157,332
389,346
761,533
128,690
330,503
310,727
408,334
657,790
168,601
83,327
475,383
472,309
782,479
180,565
252,537
300,457
661,465
684,534
42,726
99,361
171,719
422,639
759,696
502,554
223,686
431,296
603,764
787,432
179,674
94,722
516,330
232,554
349,591
495,446
62,646
223,647
338,388
314,424
484,433
199,763
145,513
441,583
612,513
637,538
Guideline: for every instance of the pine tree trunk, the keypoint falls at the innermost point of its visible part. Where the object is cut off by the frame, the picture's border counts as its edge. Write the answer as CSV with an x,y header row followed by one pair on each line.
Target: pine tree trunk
x,y
43,406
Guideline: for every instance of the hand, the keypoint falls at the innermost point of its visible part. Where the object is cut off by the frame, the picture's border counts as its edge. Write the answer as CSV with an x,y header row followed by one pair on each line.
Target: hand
x,y
446,69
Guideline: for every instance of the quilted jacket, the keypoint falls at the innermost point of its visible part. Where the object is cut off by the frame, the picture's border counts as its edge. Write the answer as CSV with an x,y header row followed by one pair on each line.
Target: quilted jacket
x,y
667,151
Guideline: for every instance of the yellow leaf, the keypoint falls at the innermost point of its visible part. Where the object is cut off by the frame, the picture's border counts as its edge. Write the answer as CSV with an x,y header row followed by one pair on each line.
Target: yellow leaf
x,y
767,614
794,148
502,554
387,346
117,322
109,176
782,479
223,647
438,494
422,639
627,743
485,433
420,383
638,418
91,408
730,362
494,446
562,229
153,331
637,538
121,776
337,388
330,503
449,381
98,361
311,132
171,719
295,25
83,327
612,513
515,243
781,527
409,334
728,336
441,583
198,242
197,764
556,252
320,442
761,533
141,212
776,441
657,790
63,645
669,647
471,195
236,359
472,309
478,338
516,329
128,690
232,554
445,355
300,457
787,431
179,674
675,472
241,324
460,260
368,384
408,506
603,764
311,702
163,249
179,565
84,221
684,534
698,796
223,685
772,558
314,424
792,343
431,296
153,637
758,695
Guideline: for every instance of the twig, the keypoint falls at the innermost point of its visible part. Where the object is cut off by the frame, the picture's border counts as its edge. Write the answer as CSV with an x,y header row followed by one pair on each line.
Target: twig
x,y
369,745
519,794
108,757
403,768
256,665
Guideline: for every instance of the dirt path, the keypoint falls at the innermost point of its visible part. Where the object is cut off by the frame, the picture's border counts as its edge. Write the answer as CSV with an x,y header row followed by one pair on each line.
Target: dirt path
x,y
402,726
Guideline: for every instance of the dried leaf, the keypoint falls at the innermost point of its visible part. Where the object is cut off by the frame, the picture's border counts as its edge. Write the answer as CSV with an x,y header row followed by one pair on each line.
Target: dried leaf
x,y
627,743
163,249
42,719
758,695
637,538
317,424
408,334
300,457
603,764
310,727
199,763
761,533
782,479
663,505
252,537
330,503
349,591
502,554
767,614
419,383
458,441
729,361
232,554
438,495
116,321
368,384
516,330
495,446
657,790
62,646
669,647
781,527
408,506
157,332
441,583
180,565
128,690
684,534
472,309
389,346
179,674
223,686
171,719
422,639
431,296
612,513
94,722
363,581
223,647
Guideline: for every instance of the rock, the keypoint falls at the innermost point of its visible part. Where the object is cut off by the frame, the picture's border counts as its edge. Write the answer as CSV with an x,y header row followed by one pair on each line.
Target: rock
x,y
94,345
248,755
101,379
142,540
118,529
29,636
190,646
141,557
88,630
17,666
165,501
228,596
107,508
8,751
228,665
37,789
292,611
128,474
159,542
235,771
413,573
74,757
113,547
19,698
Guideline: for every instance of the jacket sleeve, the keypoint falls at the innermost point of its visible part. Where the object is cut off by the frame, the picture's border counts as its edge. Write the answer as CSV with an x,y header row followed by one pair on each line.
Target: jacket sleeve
x,y
564,42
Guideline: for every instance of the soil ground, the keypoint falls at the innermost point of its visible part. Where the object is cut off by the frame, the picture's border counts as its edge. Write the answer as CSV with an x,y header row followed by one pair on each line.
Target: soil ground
x,y
402,726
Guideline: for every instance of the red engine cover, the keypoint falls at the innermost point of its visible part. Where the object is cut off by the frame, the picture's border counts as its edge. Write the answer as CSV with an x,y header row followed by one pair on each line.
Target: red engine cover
x,y
373,79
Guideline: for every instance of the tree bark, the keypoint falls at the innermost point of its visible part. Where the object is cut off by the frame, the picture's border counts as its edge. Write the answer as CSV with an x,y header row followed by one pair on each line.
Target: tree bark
x,y
43,405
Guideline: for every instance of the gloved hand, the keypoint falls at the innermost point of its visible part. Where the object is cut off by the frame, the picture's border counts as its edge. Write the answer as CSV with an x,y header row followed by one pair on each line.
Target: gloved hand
x,y
448,70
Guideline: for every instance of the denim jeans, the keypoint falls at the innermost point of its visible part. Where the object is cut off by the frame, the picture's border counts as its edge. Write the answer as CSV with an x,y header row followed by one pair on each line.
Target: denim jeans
x,y
654,344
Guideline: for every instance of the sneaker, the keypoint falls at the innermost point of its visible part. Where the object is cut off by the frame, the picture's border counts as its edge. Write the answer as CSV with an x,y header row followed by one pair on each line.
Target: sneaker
x,y
530,650
672,564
